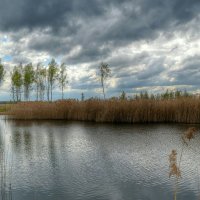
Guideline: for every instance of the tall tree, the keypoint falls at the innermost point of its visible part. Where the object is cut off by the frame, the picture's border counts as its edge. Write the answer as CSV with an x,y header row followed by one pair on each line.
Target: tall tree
x,y
12,89
40,81
104,72
37,81
62,78
52,75
28,80
16,82
47,84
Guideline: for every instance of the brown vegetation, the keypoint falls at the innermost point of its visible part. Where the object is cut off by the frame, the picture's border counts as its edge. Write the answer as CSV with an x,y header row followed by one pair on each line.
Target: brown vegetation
x,y
188,135
173,166
4,108
180,110
174,169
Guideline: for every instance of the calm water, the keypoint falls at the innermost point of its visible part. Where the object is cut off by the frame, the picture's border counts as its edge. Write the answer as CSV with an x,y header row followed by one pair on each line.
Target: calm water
x,y
61,160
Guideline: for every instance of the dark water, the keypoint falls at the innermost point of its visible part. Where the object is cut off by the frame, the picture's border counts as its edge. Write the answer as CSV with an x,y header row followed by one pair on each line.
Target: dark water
x,y
85,161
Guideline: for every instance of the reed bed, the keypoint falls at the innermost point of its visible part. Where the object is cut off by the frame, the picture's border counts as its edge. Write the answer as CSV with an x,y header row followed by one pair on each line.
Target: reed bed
x,y
181,110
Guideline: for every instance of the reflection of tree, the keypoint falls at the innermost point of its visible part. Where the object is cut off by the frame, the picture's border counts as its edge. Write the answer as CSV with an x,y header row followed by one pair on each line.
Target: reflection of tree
x,y
53,158
27,141
2,168
22,140
52,149
17,140
5,168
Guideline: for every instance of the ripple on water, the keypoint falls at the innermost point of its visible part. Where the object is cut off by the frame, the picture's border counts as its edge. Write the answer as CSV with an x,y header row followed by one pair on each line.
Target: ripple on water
x,y
85,161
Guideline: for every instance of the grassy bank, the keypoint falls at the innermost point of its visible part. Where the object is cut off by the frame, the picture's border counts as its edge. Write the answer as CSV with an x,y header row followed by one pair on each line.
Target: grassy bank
x,y
180,110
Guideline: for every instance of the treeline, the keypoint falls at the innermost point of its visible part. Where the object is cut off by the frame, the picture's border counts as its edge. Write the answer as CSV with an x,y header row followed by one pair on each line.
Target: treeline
x,y
41,79
168,94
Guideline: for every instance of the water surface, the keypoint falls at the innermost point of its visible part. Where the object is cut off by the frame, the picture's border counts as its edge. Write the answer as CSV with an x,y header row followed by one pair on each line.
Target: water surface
x,y
58,160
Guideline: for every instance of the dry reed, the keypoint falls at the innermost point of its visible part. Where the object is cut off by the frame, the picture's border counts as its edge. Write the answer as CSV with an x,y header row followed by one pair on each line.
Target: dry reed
x,y
181,110
174,168
188,135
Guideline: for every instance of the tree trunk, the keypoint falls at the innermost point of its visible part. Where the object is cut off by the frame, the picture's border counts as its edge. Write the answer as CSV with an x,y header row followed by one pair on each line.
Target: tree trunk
x,y
51,92
103,88
37,92
48,91
62,93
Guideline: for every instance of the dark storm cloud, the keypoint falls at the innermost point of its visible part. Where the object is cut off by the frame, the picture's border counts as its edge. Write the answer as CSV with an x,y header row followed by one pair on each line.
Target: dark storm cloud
x,y
112,23
150,76
85,83
54,44
55,14
46,13
143,41
151,71
89,54
134,82
189,73
185,77
124,61
131,84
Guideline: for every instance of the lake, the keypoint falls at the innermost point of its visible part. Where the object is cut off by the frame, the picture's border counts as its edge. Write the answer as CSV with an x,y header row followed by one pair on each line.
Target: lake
x,y
59,160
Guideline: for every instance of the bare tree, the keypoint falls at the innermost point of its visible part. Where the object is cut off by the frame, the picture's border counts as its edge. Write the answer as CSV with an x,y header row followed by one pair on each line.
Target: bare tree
x,y
105,72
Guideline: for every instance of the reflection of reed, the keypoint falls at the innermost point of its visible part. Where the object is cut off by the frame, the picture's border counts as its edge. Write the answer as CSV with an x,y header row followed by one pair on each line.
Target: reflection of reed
x,y
5,170
174,167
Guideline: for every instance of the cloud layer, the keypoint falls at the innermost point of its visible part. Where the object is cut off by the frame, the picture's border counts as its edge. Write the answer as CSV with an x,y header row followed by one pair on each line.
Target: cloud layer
x,y
149,45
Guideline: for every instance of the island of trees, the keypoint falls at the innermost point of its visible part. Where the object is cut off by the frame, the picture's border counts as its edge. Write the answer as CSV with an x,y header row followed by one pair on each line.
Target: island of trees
x,y
170,106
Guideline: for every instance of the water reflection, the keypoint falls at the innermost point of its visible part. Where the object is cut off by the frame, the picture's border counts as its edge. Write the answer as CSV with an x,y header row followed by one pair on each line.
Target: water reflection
x,y
60,160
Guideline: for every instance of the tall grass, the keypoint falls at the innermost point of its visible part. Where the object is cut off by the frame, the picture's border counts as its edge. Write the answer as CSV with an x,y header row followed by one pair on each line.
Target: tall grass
x,y
180,110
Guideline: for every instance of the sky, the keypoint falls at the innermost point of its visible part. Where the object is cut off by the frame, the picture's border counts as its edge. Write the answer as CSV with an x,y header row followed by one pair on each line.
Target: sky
x,y
149,45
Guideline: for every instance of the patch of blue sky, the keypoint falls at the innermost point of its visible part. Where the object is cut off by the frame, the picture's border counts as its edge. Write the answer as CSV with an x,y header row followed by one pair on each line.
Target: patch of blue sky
x,y
59,59
7,58
4,39
48,60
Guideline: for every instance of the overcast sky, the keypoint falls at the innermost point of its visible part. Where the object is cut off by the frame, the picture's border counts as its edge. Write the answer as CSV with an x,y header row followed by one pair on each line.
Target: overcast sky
x,y
149,44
